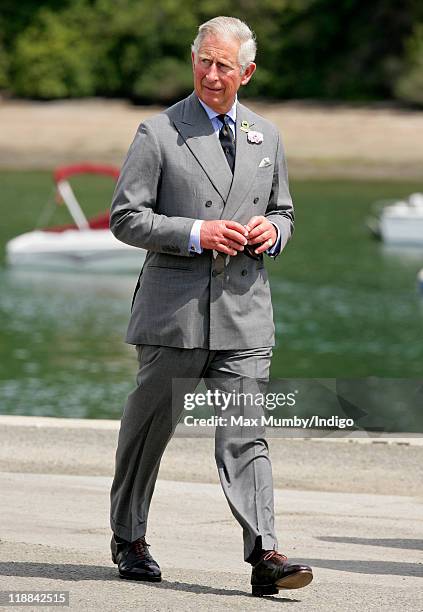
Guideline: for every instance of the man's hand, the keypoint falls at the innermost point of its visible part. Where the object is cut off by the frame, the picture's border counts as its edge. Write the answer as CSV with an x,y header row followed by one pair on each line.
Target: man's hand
x,y
227,237
261,232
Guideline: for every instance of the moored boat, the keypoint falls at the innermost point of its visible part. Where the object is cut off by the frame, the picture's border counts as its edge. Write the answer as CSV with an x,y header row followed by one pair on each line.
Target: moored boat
x,y
85,244
399,222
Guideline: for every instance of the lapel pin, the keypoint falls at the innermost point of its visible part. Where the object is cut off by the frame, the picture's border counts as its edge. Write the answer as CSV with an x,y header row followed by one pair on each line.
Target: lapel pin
x,y
245,126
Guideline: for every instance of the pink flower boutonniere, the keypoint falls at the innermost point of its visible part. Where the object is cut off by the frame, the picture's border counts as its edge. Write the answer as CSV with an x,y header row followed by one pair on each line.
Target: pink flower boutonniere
x,y
255,137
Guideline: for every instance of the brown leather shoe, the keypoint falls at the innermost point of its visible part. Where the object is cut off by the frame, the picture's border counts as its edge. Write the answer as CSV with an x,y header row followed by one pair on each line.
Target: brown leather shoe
x,y
134,560
273,572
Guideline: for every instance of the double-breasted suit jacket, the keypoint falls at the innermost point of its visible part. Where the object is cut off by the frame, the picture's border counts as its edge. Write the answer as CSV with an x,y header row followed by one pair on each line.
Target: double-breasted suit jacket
x,y
176,172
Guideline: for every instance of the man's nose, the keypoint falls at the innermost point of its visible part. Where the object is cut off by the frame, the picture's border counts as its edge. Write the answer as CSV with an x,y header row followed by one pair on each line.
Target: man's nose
x,y
212,74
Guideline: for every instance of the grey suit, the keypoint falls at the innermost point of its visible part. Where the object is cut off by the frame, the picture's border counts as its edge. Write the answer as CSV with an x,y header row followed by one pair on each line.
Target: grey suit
x,y
219,308
176,172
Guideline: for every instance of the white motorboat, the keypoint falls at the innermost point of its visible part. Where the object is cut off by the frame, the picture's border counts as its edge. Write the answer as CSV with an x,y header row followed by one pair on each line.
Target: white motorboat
x,y
88,244
400,222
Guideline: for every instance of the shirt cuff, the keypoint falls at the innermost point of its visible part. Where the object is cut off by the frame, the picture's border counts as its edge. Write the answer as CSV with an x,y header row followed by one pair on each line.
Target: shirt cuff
x,y
194,238
276,248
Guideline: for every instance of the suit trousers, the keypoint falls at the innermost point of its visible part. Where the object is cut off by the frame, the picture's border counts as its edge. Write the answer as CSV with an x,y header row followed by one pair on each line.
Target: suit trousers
x,y
151,413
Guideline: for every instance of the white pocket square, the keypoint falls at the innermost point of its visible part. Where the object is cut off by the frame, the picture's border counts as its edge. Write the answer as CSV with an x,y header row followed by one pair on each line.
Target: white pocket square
x,y
265,162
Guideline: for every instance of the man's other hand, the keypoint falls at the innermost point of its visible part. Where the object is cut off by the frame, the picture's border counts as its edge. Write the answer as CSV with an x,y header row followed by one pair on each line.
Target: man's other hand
x,y
227,237
261,232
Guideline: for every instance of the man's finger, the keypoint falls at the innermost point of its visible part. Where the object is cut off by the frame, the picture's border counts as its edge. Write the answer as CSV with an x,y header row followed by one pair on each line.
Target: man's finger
x,y
257,232
233,244
262,248
234,235
223,248
262,237
254,221
234,225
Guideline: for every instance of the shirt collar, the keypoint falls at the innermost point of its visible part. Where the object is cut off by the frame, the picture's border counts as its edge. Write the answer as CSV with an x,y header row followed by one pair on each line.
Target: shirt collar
x,y
212,113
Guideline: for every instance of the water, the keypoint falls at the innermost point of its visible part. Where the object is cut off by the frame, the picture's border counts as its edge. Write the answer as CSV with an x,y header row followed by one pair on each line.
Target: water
x,y
62,352
344,306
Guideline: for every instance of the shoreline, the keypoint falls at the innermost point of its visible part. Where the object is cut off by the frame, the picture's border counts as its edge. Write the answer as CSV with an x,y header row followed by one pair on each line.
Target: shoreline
x,y
338,141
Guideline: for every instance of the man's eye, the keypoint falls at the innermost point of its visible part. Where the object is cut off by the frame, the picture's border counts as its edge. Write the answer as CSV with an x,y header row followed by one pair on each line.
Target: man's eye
x,y
205,62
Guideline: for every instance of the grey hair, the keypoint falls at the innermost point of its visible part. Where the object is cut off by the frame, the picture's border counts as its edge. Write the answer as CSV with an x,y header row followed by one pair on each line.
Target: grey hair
x,y
229,27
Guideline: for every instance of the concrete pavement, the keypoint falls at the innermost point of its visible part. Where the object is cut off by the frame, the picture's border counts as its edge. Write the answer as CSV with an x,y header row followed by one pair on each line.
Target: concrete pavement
x,y
365,547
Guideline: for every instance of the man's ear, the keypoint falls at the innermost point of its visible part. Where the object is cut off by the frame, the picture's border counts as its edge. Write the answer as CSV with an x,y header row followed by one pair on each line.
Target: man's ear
x,y
248,73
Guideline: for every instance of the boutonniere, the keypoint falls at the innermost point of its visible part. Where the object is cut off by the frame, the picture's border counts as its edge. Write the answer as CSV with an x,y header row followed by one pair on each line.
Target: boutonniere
x,y
252,136
256,137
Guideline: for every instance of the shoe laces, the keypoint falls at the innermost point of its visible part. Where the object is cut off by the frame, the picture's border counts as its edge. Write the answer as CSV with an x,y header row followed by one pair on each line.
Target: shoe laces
x,y
275,555
141,548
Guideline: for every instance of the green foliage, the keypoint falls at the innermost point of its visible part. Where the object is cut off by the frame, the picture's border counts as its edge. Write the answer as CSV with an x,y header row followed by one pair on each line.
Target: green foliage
x,y
4,68
409,86
165,80
136,39
53,59
344,49
349,49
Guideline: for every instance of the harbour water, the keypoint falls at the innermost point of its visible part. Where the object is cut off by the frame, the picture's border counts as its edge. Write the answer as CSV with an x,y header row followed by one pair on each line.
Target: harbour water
x,y
344,307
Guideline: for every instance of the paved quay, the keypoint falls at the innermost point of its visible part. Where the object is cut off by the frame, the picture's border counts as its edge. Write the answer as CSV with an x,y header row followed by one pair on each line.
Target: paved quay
x,y
350,508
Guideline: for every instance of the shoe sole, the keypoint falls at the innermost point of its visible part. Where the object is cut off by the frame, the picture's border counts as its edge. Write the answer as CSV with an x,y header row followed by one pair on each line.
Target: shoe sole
x,y
294,581
125,576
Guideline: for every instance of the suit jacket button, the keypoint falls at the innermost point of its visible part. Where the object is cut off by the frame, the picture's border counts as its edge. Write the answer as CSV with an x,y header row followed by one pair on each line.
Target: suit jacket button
x,y
244,272
256,200
209,203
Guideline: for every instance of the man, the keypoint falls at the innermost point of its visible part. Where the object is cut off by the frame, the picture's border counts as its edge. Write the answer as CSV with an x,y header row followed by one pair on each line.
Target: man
x,y
204,189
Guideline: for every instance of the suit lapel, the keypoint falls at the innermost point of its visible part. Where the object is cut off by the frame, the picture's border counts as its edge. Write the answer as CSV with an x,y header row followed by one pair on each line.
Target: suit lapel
x,y
197,131
246,164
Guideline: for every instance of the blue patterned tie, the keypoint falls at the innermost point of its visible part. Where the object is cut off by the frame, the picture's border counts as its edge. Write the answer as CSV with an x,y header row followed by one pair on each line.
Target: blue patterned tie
x,y
227,141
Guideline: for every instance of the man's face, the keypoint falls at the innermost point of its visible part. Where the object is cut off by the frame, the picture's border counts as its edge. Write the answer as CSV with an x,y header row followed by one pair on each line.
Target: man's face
x,y
217,73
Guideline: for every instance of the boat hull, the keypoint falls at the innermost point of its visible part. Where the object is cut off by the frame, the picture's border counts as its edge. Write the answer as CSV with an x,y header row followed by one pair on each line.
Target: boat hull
x,y
83,250
402,230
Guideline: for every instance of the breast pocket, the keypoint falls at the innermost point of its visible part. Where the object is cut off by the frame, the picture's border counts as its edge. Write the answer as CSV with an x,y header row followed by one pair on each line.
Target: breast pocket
x,y
265,174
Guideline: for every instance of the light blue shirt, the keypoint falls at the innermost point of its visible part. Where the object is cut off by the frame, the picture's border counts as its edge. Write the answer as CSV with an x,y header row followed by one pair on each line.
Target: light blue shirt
x,y
216,123
194,239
